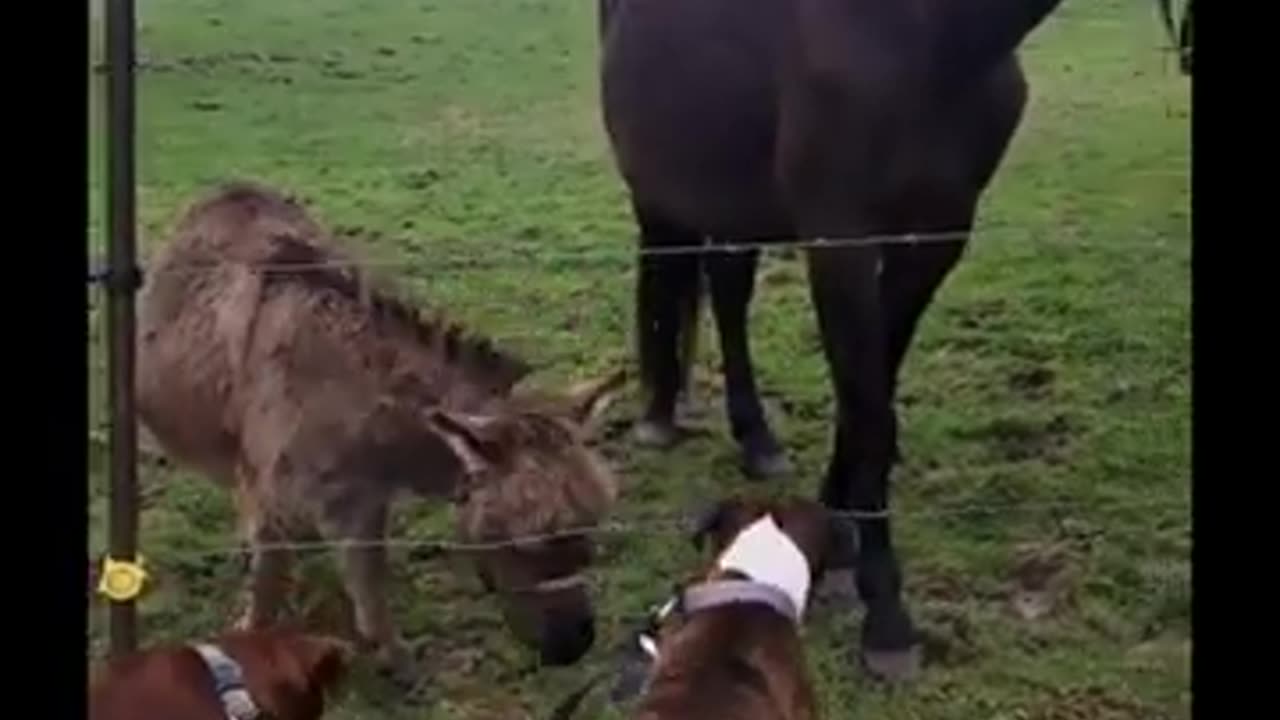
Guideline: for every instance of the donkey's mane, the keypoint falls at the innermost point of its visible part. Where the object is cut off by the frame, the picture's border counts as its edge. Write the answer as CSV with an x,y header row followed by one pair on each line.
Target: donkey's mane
x,y
298,253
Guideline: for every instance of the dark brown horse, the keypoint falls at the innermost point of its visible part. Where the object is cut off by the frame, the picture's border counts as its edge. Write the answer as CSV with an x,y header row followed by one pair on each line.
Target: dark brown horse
x,y
780,119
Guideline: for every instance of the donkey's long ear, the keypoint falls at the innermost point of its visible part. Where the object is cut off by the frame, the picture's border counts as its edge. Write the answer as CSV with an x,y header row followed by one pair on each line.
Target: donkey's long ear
x,y
588,400
464,434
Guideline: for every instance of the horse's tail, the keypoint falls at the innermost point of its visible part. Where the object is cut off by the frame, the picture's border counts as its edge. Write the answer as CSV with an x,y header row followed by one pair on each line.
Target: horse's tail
x,y
604,11
690,314
978,34
669,290
1185,41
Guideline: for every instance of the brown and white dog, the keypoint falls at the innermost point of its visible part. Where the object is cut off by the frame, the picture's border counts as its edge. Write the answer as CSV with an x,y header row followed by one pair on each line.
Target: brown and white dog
x,y
270,674
730,646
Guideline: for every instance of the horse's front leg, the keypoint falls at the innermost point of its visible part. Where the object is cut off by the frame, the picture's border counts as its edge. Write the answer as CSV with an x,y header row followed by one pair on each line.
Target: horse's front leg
x,y
846,297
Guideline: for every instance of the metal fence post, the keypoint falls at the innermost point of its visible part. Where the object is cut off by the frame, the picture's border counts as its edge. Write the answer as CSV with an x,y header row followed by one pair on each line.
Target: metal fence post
x,y
121,285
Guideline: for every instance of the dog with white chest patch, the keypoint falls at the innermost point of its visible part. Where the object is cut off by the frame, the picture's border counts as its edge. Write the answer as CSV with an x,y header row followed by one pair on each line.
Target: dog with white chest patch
x,y
729,647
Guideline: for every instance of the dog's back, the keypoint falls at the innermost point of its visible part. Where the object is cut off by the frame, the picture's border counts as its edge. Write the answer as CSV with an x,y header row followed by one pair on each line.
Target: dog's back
x,y
168,683
287,675
734,649
740,661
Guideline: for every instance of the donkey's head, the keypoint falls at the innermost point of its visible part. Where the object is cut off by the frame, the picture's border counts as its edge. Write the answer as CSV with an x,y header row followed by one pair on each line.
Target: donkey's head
x,y
533,493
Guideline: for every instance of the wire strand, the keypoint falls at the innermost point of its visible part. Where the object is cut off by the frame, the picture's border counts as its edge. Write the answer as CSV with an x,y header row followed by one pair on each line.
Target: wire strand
x,y
586,256
660,525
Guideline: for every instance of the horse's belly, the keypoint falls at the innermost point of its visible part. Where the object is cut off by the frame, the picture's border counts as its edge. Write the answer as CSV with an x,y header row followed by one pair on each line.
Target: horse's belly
x,y
716,204
693,121
719,182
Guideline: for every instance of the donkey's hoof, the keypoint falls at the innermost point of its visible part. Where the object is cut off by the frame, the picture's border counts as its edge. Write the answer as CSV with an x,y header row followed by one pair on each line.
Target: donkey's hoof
x,y
893,666
395,662
653,434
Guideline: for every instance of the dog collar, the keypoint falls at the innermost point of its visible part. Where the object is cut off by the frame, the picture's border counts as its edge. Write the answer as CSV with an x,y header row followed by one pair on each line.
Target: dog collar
x,y
228,682
719,593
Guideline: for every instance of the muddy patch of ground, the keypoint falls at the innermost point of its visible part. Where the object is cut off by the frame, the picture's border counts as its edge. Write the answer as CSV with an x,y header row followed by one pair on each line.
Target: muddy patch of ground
x,y
1043,580
1018,439
274,66
1089,703
1032,382
949,637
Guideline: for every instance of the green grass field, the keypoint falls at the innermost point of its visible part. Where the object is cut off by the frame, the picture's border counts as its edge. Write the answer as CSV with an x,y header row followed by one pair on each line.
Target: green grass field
x,y
1046,406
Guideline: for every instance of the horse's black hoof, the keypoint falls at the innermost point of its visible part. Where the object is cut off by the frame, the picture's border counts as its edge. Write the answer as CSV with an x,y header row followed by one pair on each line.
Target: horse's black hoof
x,y
766,466
893,666
892,648
762,455
654,434
838,589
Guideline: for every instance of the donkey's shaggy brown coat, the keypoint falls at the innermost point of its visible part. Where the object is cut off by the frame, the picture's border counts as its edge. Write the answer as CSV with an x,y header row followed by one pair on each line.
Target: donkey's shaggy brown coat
x,y
268,362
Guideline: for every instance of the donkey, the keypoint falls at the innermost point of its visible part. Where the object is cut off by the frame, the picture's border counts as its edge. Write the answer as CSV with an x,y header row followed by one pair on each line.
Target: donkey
x,y
268,364
811,119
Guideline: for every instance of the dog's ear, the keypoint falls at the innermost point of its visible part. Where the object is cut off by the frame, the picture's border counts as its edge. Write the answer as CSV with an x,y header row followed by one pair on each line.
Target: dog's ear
x,y
718,520
706,521
324,661
842,542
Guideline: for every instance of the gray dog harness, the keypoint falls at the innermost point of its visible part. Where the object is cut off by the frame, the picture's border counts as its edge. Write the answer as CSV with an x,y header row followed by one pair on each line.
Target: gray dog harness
x,y
719,593
642,653
714,594
228,682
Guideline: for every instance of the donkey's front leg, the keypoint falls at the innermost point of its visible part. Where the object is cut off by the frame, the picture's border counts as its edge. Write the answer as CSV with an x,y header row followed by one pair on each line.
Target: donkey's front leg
x,y
362,561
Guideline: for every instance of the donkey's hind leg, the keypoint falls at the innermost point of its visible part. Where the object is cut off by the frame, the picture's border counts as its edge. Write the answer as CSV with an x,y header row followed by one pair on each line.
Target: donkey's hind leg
x,y
270,563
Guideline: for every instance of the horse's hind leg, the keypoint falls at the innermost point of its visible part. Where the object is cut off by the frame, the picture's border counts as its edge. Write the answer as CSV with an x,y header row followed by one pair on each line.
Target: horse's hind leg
x,y
732,278
668,290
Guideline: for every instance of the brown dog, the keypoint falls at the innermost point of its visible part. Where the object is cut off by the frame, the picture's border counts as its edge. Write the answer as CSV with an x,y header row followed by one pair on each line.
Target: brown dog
x,y
733,651
287,676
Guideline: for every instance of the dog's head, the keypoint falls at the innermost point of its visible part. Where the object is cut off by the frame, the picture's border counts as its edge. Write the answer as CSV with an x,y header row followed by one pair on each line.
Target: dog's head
x,y
825,539
290,674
